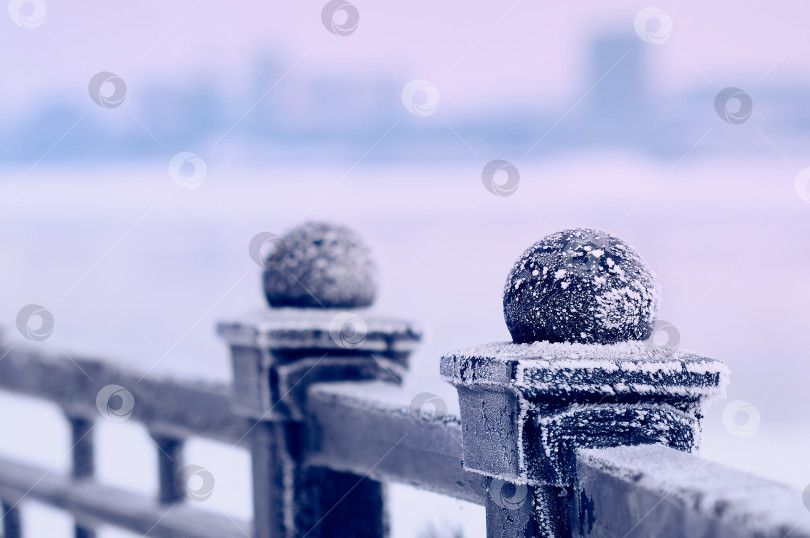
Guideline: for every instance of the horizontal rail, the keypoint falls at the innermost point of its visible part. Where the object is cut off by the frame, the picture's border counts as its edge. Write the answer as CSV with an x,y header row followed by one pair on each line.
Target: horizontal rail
x,y
92,504
653,490
173,407
354,431
368,429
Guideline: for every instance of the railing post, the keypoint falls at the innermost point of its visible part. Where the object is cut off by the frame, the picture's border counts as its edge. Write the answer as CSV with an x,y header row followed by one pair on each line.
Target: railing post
x,y
170,463
83,453
583,371
12,526
83,461
319,282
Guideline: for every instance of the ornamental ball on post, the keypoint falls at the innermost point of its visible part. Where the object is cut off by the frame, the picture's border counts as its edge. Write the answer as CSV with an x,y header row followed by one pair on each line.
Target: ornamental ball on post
x,y
323,265
580,285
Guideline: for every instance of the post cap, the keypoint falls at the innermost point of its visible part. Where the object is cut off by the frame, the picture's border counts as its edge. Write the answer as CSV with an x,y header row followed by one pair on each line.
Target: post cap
x,y
291,332
318,278
320,265
580,285
583,370
560,373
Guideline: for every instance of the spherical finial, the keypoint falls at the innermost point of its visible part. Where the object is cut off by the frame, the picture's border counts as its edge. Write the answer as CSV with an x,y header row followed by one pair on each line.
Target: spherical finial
x,y
323,265
580,285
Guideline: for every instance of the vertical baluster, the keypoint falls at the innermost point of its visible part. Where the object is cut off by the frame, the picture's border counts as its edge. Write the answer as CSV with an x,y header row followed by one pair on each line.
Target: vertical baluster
x,y
83,532
83,459
12,527
170,463
83,448
514,517
293,499
270,464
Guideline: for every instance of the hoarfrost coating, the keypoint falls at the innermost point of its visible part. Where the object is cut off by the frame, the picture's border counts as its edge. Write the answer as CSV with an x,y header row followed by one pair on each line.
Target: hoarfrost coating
x,y
580,285
323,266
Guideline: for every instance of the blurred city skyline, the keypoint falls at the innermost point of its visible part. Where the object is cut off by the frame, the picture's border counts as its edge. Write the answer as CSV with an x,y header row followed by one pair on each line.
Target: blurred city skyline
x,y
264,86
620,106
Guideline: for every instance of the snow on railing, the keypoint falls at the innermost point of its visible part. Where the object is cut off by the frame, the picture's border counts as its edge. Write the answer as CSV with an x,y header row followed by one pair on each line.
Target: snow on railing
x,y
557,439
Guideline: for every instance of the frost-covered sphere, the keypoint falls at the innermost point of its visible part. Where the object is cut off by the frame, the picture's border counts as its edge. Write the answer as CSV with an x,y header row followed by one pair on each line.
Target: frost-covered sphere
x,y
323,265
580,285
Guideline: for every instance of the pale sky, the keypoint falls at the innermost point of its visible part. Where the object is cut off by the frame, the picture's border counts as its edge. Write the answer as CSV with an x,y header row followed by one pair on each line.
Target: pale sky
x,y
480,54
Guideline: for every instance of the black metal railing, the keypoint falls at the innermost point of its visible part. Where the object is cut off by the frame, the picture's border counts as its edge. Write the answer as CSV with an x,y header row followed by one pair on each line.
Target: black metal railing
x,y
322,474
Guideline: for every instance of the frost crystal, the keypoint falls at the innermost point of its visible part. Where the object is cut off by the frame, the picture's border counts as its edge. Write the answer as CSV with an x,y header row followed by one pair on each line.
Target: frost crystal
x,y
325,266
580,285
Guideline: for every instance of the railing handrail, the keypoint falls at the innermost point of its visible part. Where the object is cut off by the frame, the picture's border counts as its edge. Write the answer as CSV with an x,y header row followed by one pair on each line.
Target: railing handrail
x,y
162,401
341,414
355,432
162,408
653,490
92,504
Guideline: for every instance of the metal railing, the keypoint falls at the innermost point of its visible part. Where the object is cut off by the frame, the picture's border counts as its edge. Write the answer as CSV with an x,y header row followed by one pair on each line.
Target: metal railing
x,y
553,439
324,442
171,410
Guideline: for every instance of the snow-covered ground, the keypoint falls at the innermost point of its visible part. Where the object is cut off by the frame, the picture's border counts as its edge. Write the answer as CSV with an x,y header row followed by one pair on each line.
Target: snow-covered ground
x,y
138,270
